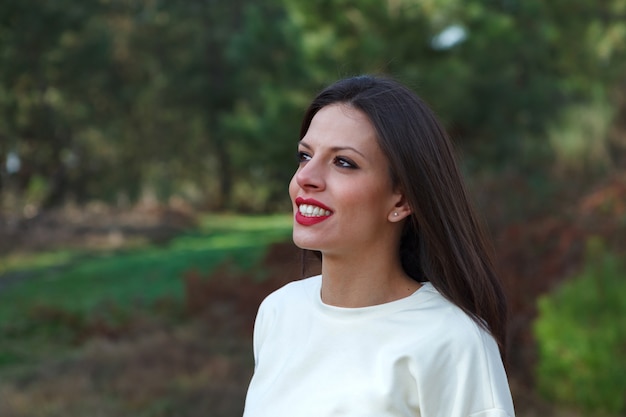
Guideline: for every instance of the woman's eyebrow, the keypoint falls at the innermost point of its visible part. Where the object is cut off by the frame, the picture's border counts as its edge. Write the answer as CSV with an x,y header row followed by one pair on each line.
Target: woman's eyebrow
x,y
334,148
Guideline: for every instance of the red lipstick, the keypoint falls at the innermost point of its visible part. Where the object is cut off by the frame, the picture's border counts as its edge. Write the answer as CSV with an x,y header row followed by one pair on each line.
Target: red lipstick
x,y
309,221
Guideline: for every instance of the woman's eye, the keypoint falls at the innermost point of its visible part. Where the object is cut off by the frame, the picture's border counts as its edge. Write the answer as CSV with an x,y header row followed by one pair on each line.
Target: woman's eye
x,y
345,163
303,157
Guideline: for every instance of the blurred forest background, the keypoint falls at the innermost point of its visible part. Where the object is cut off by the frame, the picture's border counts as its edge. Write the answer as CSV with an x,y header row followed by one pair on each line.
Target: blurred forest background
x,y
146,147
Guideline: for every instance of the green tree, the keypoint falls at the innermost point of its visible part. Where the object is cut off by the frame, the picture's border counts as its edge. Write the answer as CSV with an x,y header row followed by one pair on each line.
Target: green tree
x,y
227,92
502,88
101,99
114,95
47,64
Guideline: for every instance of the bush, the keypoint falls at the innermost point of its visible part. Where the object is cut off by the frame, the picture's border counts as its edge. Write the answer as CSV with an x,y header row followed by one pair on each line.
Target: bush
x,y
581,337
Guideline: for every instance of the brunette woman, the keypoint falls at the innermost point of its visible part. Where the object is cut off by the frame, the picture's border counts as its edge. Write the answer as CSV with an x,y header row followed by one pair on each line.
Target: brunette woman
x,y
407,317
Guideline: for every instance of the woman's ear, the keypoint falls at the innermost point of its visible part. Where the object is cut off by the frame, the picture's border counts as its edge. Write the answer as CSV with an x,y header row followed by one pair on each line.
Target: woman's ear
x,y
400,211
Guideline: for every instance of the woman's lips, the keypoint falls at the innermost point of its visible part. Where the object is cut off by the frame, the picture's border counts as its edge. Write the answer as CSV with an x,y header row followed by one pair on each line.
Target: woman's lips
x,y
319,214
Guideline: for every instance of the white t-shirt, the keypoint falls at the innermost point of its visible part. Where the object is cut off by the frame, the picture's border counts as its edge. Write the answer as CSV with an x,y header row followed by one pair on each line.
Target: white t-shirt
x,y
417,356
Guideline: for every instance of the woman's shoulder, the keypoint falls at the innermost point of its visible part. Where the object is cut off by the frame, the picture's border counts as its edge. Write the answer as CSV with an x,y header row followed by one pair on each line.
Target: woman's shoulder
x,y
448,325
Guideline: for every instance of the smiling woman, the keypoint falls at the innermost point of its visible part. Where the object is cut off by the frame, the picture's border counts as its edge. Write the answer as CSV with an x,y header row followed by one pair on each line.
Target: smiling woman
x,y
407,317
344,172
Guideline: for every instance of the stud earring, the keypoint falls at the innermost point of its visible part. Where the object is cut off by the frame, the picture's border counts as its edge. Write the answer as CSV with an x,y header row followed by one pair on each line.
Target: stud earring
x,y
395,213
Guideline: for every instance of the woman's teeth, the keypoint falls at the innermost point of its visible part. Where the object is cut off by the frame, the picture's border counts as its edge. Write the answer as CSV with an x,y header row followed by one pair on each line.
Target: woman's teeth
x,y
312,211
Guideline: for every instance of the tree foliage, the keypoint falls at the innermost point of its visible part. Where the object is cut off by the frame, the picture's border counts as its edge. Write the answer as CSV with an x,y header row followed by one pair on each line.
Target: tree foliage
x,y
202,98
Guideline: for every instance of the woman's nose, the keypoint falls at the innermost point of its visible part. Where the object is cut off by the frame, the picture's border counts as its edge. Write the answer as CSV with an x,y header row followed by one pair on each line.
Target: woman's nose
x,y
311,175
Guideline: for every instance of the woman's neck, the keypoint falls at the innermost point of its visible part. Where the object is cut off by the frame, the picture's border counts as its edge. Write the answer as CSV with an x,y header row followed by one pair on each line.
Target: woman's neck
x,y
357,281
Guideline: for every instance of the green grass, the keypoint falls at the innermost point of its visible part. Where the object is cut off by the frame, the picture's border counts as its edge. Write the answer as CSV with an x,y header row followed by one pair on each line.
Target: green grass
x,y
78,280
74,285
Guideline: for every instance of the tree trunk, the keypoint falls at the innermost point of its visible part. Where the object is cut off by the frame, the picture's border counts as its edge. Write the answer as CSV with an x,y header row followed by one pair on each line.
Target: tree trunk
x,y
225,174
58,188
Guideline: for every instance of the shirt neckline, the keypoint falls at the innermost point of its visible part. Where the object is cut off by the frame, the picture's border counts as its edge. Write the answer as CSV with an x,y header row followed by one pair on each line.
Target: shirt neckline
x,y
405,303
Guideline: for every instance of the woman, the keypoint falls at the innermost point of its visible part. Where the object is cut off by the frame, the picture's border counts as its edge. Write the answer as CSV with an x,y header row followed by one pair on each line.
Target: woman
x,y
407,317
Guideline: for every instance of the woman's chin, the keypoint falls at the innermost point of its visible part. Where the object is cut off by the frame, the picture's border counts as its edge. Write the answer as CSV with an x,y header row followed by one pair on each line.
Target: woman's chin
x,y
307,244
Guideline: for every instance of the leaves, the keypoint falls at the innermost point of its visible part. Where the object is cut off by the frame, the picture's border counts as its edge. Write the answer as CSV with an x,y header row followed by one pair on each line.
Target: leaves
x,y
111,98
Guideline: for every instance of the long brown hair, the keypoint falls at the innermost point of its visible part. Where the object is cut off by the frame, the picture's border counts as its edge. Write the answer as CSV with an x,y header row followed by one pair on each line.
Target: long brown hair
x,y
443,242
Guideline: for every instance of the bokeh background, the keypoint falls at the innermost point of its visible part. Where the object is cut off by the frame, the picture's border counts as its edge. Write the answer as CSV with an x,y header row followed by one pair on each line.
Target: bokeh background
x,y
145,151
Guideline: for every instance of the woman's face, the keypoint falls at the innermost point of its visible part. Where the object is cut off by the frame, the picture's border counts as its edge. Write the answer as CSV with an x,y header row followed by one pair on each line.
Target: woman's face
x,y
342,193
